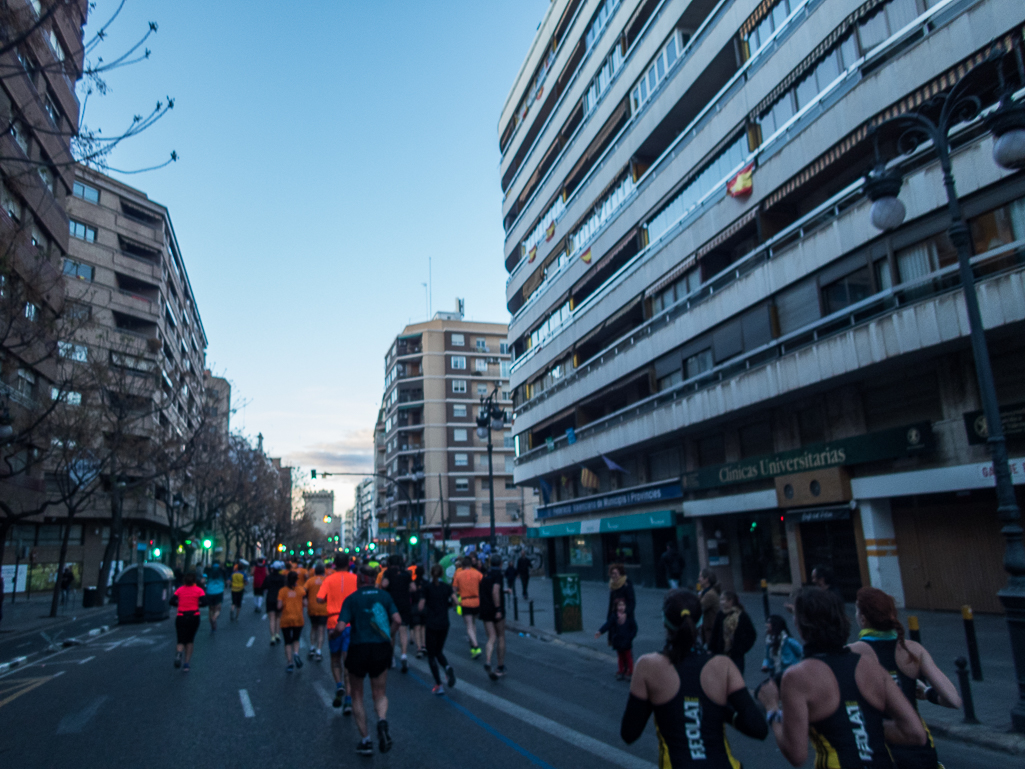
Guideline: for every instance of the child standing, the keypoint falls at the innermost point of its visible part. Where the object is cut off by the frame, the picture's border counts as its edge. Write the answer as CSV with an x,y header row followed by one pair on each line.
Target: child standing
x,y
622,629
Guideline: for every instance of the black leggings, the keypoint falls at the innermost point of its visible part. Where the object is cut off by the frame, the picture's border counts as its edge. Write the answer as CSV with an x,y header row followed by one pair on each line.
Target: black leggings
x,y
435,641
186,626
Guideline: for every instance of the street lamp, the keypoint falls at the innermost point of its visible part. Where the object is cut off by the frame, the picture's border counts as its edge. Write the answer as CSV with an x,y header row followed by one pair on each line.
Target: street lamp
x,y
491,417
933,122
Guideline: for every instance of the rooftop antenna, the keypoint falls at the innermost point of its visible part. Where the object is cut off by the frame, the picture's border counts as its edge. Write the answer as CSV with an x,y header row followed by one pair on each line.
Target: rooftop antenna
x,y
427,300
430,289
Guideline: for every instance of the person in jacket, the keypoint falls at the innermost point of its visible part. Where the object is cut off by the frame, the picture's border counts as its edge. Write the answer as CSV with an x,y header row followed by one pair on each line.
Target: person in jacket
x,y
523,570
672,565
733,633
622,629
510,576
781,649
620,587
709,597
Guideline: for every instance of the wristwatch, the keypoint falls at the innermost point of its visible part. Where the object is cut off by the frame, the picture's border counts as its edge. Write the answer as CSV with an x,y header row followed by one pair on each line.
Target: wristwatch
x,y
774,716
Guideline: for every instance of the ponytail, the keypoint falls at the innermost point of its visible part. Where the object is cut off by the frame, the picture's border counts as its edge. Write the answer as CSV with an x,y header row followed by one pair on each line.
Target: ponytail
x,y
880,612
679,611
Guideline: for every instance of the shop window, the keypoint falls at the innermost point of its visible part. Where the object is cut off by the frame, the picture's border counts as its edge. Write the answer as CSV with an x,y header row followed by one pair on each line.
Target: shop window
x,y
623,548
580,552
763,550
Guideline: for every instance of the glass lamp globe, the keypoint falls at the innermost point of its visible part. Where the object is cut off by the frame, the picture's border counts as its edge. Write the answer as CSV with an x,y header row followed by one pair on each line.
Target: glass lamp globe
x,y
482,432
1009,149
887,213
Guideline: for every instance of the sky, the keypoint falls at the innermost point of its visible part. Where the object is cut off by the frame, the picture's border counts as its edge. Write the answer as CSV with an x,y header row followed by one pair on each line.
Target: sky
x,y
327,150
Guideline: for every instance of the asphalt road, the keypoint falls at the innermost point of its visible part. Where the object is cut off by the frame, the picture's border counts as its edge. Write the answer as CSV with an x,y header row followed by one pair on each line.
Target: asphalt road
x,y
118,701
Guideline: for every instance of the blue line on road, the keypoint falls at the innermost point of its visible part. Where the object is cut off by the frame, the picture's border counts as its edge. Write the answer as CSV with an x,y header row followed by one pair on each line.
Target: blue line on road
x,y
537,761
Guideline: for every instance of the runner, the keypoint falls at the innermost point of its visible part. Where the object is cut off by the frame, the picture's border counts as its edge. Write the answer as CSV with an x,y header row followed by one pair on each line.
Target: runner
x,y
214,576
187,622
238,588
291,602
692,695
836,697
272,586
416,622
466,583
259,575
436,598
316,611
492,612
332,594
373,620
882,637
399,585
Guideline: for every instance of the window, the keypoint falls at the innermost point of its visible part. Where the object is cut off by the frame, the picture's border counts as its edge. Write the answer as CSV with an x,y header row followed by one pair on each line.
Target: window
x,y
462,484
998,227
505,369
77,311
609,68
462,511
70,397
459,386
72,351
20,134
671,380
26,382
846,291
657,70
46,175
508,441
698,363
459,362
459,410
82,231
773,20
462,460
482,389
512,509
84,191
598,23
480,364
482,345
77,269
503,348
458,340
459,434
58,49
53,111
602,212
510,464
31,311
11,203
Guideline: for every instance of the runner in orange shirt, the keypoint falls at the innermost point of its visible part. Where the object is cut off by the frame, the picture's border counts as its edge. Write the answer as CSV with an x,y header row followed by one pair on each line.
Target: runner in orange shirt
x,y
332,594
466,583
316,611
291,602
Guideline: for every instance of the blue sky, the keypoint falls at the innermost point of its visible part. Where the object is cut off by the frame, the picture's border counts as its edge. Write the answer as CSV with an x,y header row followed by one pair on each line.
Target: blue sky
x,y
327,149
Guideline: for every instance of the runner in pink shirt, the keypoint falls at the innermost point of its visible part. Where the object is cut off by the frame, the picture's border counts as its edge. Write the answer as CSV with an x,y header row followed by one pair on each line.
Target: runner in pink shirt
x,y
187,622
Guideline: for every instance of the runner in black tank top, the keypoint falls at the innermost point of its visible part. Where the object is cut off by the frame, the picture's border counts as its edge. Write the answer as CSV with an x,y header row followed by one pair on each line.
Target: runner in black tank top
x,y
852,737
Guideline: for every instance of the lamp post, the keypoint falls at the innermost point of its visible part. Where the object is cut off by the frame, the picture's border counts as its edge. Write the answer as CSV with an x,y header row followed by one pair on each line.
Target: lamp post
x,y
491,417
933,122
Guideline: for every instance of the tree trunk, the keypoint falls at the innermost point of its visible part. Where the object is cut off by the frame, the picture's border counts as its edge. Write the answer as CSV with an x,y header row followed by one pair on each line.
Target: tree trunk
x,y
61,563
113,543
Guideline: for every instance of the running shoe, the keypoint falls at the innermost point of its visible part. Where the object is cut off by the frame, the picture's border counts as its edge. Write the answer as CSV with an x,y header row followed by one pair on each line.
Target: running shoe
x,y
297,660
501,671
384,739
475,652
311,653
405,664
491,673
185,668
419,654
439,690
273,640
451,676
365,747
178,659
319,657
347,706
290,669
337,701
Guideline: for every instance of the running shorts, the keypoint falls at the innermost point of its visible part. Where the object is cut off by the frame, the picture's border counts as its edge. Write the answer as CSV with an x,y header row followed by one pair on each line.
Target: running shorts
x,y
487,615
318,620
406,614
339,644
214,599
416,618
473,611
258,590
236,598
292,635
368,659
186,626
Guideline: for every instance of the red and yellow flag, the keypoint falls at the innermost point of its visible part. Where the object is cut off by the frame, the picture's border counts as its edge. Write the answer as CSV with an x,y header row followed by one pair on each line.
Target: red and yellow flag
x,y
532,255
741,184
550,232
586,256
588,479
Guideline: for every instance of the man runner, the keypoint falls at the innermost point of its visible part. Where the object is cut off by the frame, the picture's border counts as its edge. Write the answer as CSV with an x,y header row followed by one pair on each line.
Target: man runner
x,y
259,575
466,583
238,588
492,613
317,612
398,583
332,594
373,619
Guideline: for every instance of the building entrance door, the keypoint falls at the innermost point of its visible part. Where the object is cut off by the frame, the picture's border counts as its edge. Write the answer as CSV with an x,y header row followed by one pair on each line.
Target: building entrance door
x,y
832,542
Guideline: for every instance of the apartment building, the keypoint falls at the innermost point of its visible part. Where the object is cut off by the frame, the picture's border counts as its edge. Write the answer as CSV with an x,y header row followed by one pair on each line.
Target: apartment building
x,y
436,374
218,399
363,526
712,345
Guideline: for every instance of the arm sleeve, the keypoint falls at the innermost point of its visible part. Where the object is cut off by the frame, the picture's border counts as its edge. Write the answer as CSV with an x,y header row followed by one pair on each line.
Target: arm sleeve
x,y
747,716
604,628
635,718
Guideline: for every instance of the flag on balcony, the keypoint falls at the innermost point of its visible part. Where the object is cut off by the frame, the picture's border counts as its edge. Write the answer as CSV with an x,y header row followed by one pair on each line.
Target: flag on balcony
x,y
532,255
546,490
588,479
540,90
741,184
586,256
550,443
571,436
550,232
613,466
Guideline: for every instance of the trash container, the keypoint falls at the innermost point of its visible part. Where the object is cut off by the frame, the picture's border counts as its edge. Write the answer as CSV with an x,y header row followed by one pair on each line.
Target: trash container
x,y
154,602
90,597
568,609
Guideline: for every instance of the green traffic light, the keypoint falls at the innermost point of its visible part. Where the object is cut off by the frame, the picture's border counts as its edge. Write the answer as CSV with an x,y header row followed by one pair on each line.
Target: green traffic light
x,y
413,539
291,552
372,546
188,542
156,552
208,543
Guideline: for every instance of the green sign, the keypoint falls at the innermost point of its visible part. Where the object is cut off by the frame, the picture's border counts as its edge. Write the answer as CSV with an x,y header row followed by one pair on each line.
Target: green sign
x,y
661,519
1012,419
568,610
885,444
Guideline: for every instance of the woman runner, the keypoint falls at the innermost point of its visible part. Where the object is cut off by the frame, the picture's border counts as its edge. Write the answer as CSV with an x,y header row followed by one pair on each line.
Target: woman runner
x,y
291,602
691,694
434,605
187,622
882,636
272,585
836,697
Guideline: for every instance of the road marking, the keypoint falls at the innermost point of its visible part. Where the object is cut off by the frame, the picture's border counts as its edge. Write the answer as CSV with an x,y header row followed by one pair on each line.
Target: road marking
x,y
24,645
326,698
82,662
247,706
76,723
59,673
554,728
250,641
20,686
264,617
147,630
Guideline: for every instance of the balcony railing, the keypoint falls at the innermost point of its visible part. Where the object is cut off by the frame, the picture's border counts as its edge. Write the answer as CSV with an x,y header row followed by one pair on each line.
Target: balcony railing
x,y
987,266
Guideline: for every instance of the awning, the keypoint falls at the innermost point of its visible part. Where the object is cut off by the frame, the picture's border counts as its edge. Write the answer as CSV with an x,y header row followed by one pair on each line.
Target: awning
x,y
659,520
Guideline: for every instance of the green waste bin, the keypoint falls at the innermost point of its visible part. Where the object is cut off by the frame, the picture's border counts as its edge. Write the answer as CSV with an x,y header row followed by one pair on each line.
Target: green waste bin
x,y
568,608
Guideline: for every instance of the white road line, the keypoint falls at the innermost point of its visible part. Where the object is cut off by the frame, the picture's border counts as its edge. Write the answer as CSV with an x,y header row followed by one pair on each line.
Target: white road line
x,y
554,728
147,630
75,723
82,662
322,692
247,706
58,673
250,641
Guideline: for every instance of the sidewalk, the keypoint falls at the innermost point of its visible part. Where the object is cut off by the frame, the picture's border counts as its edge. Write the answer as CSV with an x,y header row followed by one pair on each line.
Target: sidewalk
x,y
32,614
942,634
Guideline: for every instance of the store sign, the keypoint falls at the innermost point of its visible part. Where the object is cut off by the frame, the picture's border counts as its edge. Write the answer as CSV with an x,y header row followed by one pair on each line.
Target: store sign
x,y
630,497
1012,418
662,519
886,444
820,515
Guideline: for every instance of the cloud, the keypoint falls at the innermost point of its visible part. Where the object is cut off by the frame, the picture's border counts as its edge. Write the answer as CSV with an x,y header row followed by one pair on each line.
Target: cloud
x,y
352,454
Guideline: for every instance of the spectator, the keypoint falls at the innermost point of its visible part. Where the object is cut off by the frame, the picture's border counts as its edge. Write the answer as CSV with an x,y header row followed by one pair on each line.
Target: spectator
x,y
672,565
733,633
620,587
781,650
822,576
622,630
709,596
67,582
523,569
510,576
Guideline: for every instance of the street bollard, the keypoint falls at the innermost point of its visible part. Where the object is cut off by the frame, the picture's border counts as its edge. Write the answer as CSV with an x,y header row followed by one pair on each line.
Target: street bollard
x,y
913,632
973,644
765,598
966,691
530,604
516,608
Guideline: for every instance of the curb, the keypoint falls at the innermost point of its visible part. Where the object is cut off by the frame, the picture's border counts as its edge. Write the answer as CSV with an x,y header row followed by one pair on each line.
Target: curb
x,y
6,667
550,637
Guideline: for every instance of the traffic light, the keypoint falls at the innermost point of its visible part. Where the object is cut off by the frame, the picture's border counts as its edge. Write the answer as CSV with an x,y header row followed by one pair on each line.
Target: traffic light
x,y
208,543
313,474
413,540
372,546
156,552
